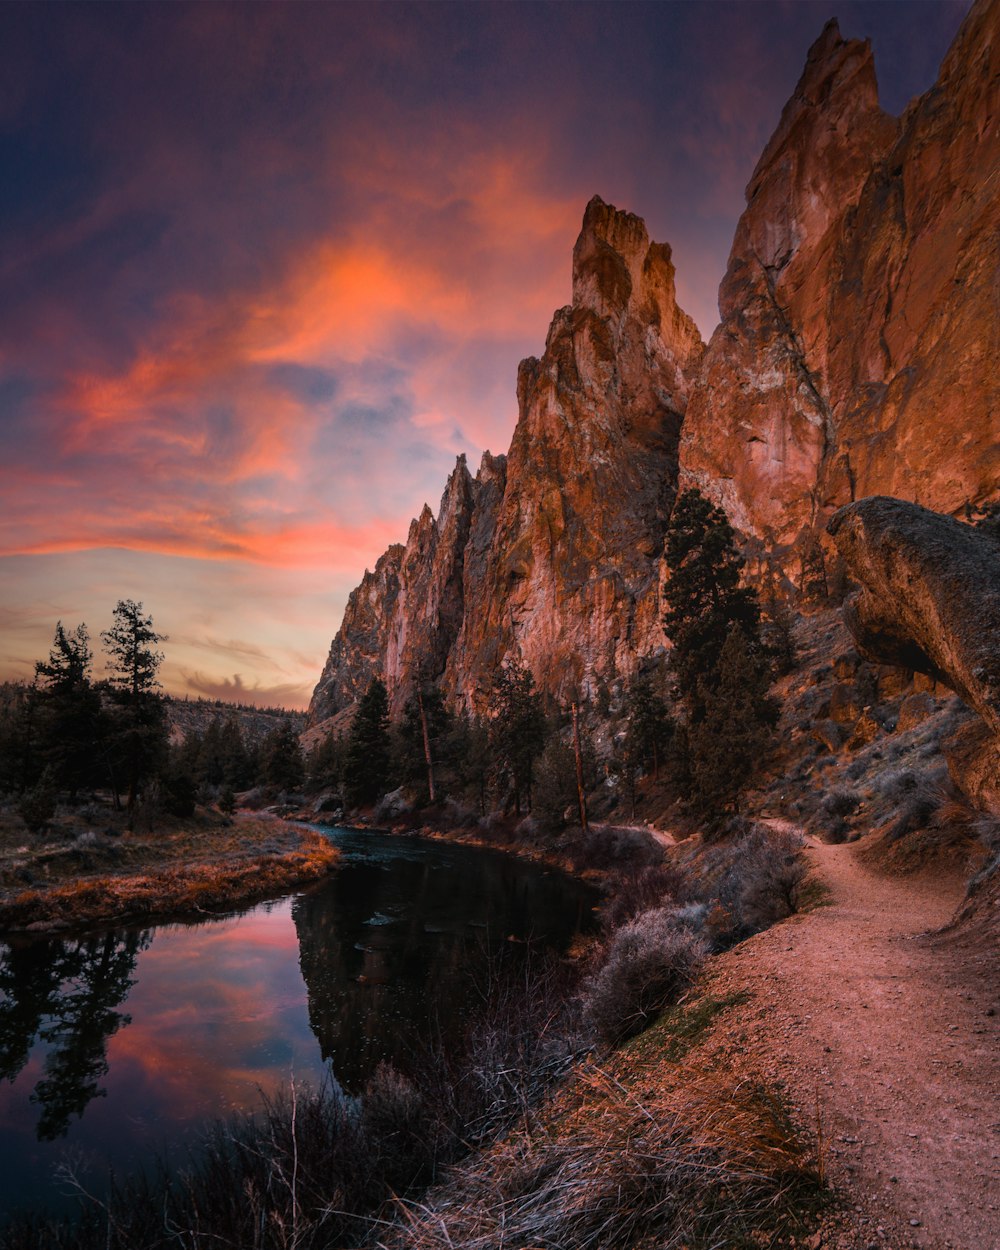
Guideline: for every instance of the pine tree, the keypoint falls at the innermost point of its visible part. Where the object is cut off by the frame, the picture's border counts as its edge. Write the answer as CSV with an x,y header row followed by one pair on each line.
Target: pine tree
x,y
325,763
731,739
517,729
467,751
718,657
282,758
776,629
649,725
234,757
703,592
366,766
69,710
139,723
422,734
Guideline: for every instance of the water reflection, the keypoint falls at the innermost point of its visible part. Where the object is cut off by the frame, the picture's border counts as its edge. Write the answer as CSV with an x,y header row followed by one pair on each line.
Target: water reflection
x,y
65,995
392,951
120,1047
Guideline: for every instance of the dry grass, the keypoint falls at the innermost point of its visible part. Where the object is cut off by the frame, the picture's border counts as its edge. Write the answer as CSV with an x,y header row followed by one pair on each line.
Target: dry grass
x,y
679,1159
191,869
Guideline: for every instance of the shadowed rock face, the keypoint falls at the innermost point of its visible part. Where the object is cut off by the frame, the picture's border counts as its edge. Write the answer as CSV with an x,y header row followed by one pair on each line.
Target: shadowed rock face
x,y
929,598
859,310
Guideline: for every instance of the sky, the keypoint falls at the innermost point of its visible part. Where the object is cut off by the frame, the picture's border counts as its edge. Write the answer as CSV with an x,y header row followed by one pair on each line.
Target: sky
x,y
266,269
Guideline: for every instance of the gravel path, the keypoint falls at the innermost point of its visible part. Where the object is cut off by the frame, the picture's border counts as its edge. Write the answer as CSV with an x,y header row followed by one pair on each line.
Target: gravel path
x,y
887,1035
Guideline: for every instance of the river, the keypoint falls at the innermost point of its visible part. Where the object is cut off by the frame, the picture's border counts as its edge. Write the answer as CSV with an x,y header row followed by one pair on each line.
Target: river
x,y
119,1046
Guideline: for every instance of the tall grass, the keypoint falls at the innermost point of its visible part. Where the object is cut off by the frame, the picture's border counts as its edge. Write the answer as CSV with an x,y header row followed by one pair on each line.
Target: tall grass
x,y
689,1162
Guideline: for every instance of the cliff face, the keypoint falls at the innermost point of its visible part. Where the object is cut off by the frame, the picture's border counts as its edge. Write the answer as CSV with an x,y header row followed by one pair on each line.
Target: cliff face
x,y
570,580
404,618
855,356
553,551
859,309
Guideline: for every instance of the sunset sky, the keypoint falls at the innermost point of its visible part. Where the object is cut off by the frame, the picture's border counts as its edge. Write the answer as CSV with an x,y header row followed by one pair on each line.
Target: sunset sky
x,y
265,270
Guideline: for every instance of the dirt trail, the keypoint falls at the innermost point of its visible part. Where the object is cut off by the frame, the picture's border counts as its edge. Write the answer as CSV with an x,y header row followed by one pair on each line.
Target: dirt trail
x,y
887,1035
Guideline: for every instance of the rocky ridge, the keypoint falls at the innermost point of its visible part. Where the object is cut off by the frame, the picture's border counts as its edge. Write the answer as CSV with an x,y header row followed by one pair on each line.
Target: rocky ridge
x,y
853,358
859,309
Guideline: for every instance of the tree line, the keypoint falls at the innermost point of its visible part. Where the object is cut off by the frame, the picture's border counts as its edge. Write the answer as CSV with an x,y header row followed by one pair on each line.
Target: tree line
x,y
699,723
69,735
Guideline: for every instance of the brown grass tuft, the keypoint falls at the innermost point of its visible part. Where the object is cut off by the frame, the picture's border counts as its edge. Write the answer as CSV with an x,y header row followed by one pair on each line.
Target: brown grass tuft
x,y
688,1161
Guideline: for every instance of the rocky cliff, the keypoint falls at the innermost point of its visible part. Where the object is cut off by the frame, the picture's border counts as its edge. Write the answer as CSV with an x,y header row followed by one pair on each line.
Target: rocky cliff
x,y
554,552
854,357
859,309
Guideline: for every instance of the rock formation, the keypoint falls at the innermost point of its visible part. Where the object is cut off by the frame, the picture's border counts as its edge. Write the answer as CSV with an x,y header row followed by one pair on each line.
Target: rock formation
x,y
553,553
855,357
571,578
929,597
404,618
859,310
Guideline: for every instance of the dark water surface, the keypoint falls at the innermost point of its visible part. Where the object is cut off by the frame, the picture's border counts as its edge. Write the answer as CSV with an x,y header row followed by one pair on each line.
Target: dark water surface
x,y
123,1044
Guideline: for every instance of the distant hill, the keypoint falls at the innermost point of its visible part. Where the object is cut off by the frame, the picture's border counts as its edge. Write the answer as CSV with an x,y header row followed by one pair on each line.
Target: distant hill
x,y
188,716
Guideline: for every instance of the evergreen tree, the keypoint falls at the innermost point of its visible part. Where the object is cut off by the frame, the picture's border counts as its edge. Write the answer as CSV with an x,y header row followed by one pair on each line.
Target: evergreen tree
x,y
649,725
729,742
366,764
718,657
210,765
69,710
517,729
470,760
703,592
179,780
282,758
423,732
18,762
325,764
776,630
237,773
139,723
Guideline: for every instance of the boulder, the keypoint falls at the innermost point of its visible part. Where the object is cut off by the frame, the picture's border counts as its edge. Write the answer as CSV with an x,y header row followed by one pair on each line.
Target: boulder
x,y
914,710
829,734
929,597
845,704
866,730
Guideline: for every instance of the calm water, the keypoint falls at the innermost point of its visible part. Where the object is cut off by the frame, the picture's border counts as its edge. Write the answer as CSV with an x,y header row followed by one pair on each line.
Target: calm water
x,y
119,1045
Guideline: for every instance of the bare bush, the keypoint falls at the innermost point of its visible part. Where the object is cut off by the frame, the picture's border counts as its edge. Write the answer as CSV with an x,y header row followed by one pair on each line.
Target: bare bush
x,y
652,885
917,807
839,802
651,961
756,881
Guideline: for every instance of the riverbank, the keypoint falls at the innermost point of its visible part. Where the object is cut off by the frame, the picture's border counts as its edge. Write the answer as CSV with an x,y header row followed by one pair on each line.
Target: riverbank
x,y
198,866
835,1078
596,857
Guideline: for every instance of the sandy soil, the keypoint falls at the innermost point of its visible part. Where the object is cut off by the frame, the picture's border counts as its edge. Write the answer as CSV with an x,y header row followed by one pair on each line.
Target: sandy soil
x,y
885,1034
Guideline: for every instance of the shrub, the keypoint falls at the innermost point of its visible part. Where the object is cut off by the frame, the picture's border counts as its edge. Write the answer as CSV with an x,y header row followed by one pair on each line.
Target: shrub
x,y
756,881
839,802
651,886
916,809
613,846
398,1123
651,961
37,806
